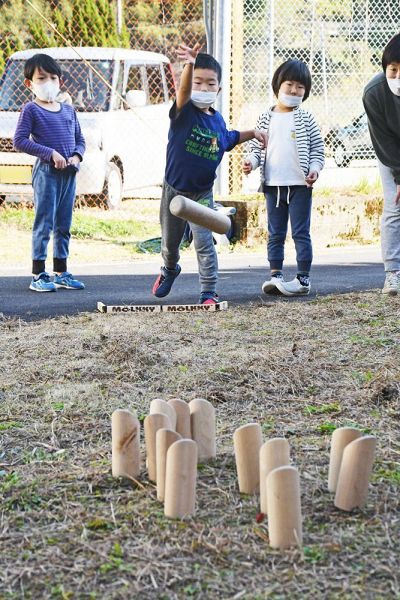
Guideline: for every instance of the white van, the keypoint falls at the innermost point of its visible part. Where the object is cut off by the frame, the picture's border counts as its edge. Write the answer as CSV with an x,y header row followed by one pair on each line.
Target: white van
x,y
125,141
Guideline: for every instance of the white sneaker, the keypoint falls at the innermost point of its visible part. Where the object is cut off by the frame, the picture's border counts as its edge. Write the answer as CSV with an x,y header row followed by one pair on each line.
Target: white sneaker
x,y
392,283
269,286
293,288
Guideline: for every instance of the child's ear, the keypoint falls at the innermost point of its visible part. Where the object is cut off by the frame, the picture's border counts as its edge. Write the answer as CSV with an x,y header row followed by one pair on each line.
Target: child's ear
x,y
28,83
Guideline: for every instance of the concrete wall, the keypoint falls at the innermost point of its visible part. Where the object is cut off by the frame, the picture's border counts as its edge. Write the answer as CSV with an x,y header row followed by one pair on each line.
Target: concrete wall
x,y
338,218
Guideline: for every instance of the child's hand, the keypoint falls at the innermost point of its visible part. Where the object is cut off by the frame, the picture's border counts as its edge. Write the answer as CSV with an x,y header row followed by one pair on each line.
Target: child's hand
x,y
311,178
262,137
186,54
247,168
74,160
58,160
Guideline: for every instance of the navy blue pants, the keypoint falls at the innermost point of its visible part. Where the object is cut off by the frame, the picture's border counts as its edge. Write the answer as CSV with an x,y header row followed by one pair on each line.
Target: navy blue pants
x,y
54,196
284,203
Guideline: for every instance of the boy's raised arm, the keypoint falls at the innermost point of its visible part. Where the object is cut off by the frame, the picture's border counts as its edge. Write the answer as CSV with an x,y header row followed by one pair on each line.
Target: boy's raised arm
x,y
188,57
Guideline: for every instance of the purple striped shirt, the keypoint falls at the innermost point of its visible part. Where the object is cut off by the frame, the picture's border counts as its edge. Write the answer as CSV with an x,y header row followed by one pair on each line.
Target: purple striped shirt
x,y
40,131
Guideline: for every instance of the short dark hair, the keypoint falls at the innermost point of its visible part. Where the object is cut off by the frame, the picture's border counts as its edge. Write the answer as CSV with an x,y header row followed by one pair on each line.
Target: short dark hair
x,y
292,70
206,61
41,61
391,53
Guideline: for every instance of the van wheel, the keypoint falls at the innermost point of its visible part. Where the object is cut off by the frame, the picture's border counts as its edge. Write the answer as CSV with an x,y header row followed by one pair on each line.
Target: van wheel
x,y
112,191
2,199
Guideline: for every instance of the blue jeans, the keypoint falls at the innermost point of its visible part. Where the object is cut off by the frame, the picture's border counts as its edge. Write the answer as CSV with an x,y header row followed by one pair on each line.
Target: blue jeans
x,y
173,228
284,203
54,196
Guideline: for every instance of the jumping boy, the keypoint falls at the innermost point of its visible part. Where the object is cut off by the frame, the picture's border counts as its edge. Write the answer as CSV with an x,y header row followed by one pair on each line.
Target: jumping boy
x,y
50,131
197,140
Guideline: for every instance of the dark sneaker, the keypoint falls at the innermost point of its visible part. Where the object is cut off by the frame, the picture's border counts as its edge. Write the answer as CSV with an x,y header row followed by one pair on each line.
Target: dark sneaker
x,y
270,287
66,280
164,281
209,298
42,283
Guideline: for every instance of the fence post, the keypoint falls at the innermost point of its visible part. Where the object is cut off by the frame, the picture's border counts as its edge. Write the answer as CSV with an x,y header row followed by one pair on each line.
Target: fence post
x,y
235,166
222,52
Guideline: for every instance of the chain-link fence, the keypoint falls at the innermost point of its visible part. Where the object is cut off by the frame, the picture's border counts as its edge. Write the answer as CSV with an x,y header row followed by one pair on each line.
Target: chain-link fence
x,y
341,41
121,81
120,78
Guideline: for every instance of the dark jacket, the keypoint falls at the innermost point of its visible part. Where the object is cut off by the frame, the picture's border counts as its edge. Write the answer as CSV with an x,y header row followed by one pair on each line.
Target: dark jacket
x,y
383,112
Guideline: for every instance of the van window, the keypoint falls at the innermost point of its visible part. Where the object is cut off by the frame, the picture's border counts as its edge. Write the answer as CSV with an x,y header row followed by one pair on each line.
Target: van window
x,y
84,88
155,84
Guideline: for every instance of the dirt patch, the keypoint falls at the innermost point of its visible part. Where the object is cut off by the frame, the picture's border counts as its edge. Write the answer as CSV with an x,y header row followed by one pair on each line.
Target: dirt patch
x,y
68,530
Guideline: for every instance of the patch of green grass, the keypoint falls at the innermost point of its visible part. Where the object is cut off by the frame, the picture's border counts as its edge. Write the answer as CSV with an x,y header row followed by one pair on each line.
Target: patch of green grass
x,y
364,186
364,340
88,226
314,554
312,409
363,378
98,524
326,427
10,480
392,475
267,425
10,425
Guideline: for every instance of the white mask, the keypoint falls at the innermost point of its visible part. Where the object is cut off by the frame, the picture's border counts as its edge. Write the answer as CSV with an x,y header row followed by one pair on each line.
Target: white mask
x,y
203,99
47,92
394,85
289,101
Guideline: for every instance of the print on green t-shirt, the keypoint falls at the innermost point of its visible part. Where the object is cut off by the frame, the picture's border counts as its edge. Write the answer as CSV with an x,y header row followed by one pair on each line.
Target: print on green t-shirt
x,y
203,143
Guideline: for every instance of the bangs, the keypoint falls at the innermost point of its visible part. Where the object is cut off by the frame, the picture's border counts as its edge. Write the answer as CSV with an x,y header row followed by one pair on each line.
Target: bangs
x,y
292,70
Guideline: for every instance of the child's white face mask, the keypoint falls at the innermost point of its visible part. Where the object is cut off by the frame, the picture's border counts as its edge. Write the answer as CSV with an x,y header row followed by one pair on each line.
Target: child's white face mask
x,y
394,85
289,101
203,99
47,92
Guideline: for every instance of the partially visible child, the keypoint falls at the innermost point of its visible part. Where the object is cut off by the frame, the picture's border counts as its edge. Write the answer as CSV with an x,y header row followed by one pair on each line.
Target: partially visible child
x,y
50,131
289,167
197,141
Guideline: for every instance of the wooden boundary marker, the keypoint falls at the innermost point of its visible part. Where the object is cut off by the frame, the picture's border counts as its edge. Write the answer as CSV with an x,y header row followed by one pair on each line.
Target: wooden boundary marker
x,y
158,308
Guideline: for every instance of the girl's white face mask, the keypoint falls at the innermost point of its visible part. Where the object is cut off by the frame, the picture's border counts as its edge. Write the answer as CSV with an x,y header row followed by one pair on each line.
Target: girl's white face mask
x,y
47,92
394,85
289,100
203,99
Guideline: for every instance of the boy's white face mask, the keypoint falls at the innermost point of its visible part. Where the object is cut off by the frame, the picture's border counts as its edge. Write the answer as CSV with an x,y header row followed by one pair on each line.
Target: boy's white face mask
x,y
289,101
47,92
203,99
394,85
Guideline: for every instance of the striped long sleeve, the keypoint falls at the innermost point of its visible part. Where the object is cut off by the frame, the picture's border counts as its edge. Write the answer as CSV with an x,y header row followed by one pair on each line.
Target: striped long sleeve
x,y
310,144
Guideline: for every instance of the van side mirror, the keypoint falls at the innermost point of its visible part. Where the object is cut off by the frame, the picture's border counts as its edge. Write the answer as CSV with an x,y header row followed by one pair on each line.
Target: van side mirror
x,y
136,98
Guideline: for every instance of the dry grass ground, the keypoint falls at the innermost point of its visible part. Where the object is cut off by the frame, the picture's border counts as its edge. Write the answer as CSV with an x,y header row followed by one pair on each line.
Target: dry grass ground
x,y
69,531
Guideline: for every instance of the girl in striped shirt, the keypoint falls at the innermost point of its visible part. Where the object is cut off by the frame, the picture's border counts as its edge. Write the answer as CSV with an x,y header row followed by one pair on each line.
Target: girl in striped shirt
x,y
289,167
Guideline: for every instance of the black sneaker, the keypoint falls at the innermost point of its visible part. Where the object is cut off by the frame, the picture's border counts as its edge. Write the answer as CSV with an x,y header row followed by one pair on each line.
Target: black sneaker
x,y
164,281
209,298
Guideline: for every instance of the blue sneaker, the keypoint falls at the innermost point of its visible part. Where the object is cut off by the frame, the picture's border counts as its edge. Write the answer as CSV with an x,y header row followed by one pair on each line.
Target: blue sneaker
x,y
42,283
209,298
164,281
67,281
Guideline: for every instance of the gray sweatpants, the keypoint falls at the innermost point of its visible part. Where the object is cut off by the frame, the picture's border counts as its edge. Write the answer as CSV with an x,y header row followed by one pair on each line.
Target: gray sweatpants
x,y
390,223
172,230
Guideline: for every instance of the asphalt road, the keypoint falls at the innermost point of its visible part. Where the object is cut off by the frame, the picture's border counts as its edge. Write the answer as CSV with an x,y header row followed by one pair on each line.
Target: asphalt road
x,y
240,279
